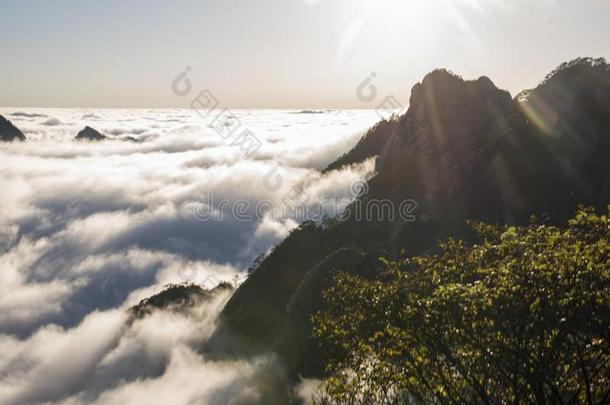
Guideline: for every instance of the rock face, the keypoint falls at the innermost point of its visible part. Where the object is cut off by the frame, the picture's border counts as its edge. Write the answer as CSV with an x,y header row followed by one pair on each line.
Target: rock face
x,y
432,155
90,134
9,132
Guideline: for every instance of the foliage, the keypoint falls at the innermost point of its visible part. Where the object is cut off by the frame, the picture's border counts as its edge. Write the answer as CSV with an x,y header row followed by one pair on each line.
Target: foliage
x,y
573,67
576,64
521,317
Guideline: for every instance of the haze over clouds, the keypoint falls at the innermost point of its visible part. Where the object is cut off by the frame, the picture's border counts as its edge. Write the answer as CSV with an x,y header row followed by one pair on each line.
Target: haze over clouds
x,y
89,229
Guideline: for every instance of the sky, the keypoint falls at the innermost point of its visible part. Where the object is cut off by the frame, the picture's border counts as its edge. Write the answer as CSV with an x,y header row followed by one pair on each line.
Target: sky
x,y
280,53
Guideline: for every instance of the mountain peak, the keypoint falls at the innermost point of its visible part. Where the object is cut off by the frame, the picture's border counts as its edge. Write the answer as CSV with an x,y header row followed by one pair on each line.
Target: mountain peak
x,y
9,132
89,134
442,84
448,120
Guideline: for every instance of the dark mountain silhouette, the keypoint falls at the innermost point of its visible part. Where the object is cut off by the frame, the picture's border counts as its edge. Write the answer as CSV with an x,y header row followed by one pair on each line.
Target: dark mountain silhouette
x,y
464,150
9,132
90,134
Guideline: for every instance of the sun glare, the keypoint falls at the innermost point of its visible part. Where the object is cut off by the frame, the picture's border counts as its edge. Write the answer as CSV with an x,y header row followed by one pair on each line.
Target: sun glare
x,y
404,13
417,14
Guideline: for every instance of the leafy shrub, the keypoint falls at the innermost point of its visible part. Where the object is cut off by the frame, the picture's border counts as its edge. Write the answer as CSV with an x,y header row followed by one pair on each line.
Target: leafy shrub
x,y
521,317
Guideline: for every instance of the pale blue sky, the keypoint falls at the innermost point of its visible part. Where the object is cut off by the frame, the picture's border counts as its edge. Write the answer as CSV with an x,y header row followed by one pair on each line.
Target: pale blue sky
x,y
280,53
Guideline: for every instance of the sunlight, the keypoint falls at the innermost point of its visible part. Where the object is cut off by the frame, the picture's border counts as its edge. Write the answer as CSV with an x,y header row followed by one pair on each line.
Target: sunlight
x,y
399,12
417,13
415,19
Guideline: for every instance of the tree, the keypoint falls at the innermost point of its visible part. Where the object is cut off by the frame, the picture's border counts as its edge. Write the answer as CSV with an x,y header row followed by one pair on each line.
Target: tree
x,y
521,317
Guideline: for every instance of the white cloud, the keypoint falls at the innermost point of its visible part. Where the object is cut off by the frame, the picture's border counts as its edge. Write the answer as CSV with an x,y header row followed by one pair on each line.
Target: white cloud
x,y
89,229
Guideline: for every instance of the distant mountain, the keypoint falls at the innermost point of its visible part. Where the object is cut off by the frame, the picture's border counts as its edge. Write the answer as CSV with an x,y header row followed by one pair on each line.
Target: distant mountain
x,y
9,132
90,134
463,150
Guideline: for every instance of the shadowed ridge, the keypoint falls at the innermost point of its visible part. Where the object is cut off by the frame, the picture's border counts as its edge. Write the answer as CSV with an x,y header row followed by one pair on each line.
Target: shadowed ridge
x,y
254,316
564,125
295,345
177,297
370,145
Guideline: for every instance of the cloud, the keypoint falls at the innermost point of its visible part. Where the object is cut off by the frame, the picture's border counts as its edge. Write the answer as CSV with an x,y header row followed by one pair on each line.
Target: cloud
x,y
121,131
89,229
51,122
306,389
27,114
109,359
53,361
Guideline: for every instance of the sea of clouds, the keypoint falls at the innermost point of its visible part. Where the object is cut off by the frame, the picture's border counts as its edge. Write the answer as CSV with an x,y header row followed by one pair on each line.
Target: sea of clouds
x,y
89,229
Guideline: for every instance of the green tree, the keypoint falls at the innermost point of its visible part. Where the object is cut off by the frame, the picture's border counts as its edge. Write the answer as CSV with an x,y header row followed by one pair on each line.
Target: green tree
x,y
521,317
